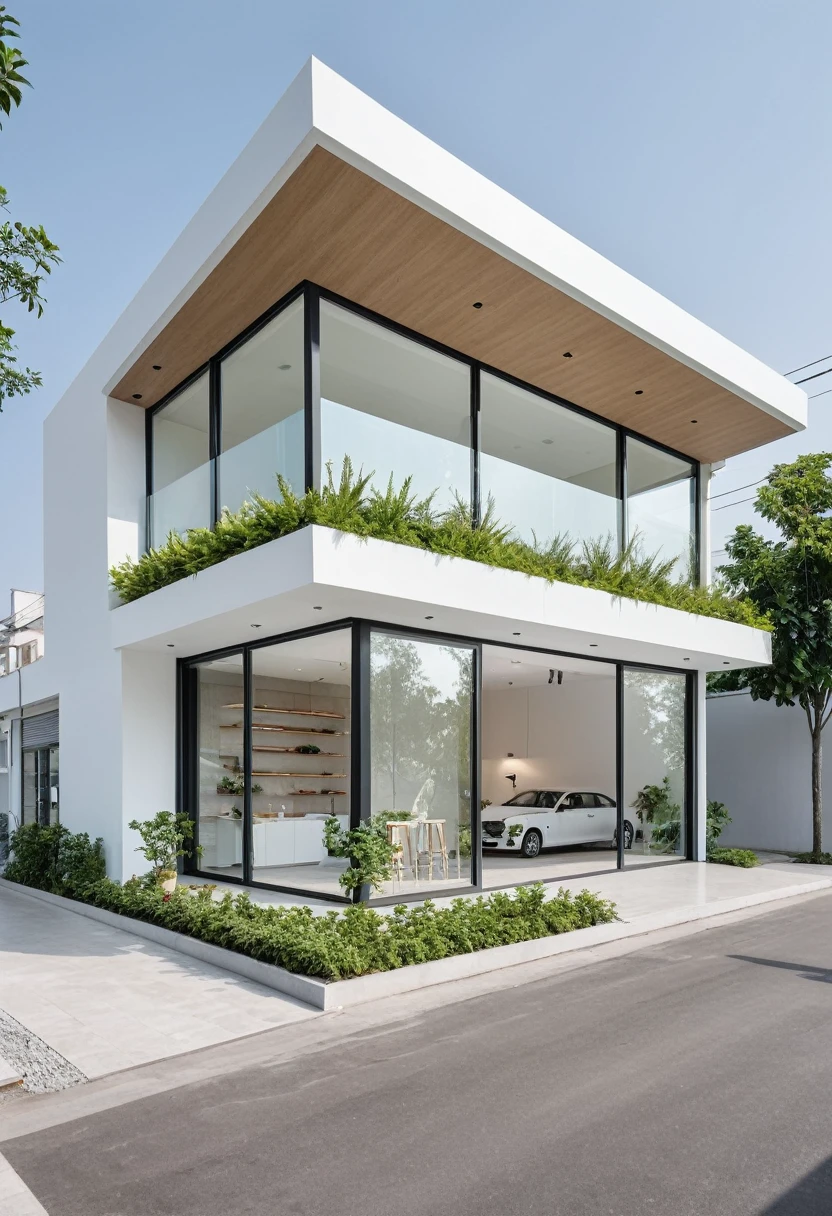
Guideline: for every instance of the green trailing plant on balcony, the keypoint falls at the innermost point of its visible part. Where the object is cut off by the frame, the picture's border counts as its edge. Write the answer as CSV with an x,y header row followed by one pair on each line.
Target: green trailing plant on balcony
x,y
351,505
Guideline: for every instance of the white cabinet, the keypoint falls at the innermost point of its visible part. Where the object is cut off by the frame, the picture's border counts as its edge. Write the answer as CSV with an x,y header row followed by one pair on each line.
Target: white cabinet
x,y
277,842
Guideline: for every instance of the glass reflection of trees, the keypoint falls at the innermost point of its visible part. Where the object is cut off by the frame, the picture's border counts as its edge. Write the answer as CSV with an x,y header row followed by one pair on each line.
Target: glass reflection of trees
x,y
420,731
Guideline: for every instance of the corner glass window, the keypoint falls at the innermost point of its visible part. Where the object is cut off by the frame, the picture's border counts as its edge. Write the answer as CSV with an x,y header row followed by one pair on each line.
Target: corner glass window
x,y
654,744
395,407
262,412
220,778
181,475
301,760
661,505
549,470
421,758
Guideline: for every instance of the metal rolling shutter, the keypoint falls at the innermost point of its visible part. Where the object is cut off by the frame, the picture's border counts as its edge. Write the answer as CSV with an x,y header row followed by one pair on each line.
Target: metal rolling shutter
x,y
41,730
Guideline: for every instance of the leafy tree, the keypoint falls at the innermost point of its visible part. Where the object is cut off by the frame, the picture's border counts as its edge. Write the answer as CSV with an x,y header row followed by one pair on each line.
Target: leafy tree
x,y
791,579
26,253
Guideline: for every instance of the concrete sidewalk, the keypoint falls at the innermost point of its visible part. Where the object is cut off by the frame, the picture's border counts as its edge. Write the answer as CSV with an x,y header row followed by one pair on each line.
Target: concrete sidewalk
x,y
106,1000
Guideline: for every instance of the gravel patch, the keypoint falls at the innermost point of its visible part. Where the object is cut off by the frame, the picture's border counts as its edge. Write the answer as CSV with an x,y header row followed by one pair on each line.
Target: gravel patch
x,y
43,1069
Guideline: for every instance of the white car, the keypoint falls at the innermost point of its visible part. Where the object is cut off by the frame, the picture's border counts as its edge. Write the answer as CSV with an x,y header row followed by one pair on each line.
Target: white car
x,y
545,819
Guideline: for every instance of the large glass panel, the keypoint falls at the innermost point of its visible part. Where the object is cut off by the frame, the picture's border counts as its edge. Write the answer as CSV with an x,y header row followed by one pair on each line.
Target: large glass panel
x,y
220,779
421,758
181,464
655,762
301,771
262,412
396,408
550,470
661,506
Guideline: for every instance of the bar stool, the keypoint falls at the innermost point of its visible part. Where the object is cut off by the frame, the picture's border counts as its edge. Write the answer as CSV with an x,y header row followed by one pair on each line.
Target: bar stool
x,y
436,846
399,835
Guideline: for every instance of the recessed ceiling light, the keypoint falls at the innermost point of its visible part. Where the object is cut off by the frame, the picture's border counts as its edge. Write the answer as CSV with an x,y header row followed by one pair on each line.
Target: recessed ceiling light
x,y
284,367
726,663
639,392
567,354
157,367
171,645
547,441
428,618
298,669
594,645
686,659
256,626
694,421
317,607
478,304
515,662
516,635
137,396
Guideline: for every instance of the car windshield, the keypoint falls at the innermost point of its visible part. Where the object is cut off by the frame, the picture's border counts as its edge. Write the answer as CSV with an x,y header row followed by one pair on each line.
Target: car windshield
x,y
530,798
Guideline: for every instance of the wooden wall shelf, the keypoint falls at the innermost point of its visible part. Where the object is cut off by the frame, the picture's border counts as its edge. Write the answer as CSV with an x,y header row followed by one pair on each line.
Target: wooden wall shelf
x,y
306,713
291,730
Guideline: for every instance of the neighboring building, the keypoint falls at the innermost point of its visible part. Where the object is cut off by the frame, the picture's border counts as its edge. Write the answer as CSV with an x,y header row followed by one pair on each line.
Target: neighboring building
x,y
349,288
21,645
760,766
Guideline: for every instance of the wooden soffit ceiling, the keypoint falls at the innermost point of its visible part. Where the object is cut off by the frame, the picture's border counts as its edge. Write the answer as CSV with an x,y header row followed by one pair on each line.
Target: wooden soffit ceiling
x,y
335,226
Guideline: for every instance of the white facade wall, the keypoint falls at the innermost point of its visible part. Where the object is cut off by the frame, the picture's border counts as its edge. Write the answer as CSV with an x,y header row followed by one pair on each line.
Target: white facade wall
x,y
759,761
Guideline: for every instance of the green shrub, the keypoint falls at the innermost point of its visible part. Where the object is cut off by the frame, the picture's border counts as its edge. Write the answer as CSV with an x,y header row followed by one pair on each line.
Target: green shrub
x,y
746,858
165,839
655,804
54,859
814,859
716,821
359,940
398,516
370,852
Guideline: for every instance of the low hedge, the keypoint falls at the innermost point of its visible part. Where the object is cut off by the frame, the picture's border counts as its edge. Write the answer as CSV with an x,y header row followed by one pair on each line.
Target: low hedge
x,y
745,858
331,946
359,940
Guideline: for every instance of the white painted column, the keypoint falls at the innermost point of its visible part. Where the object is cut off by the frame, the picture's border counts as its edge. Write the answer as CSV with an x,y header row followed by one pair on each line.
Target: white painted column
x,y
699,760
148,746
706,472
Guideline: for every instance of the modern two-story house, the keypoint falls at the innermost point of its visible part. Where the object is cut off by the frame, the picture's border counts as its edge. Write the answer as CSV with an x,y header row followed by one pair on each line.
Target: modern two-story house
x,y
349,289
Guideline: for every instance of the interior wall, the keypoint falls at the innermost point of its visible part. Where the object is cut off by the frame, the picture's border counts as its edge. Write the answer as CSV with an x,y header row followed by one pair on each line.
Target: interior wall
x,y
562,736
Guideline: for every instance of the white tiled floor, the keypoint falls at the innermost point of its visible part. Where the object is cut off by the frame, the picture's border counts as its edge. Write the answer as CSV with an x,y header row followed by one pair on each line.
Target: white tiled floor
x,y
107,1000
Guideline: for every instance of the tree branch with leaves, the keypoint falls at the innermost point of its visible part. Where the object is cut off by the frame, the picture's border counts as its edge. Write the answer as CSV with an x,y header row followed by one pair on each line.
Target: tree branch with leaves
x,y
26,253
790,579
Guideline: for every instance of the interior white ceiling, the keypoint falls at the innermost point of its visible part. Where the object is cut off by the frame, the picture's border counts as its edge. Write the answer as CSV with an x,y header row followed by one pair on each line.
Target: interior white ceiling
x,y
503,668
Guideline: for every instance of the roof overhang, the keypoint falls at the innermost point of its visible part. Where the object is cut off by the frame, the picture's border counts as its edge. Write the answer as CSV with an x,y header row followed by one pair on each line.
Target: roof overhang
x,y
336,190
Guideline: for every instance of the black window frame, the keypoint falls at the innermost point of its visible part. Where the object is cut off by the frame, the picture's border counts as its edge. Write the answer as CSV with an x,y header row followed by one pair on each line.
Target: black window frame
x,y
313,294
187,783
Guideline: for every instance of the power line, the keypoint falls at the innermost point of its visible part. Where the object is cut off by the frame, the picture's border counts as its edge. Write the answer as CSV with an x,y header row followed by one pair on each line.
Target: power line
x,y
737,489
726,505
814,363
814,376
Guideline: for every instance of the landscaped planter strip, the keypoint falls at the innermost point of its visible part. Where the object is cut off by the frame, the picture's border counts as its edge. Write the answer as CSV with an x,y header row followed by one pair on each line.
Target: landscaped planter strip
x,y
341,994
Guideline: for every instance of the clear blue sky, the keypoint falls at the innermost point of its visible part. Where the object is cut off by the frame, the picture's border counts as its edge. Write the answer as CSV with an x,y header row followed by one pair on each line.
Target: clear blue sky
x,y
687,142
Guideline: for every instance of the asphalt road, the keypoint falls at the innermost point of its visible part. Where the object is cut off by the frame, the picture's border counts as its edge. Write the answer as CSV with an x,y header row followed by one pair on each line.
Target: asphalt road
x,y
691,1077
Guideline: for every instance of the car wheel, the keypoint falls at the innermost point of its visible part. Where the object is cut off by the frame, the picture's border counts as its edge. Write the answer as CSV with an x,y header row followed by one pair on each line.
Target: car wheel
x,y
629,835
532,843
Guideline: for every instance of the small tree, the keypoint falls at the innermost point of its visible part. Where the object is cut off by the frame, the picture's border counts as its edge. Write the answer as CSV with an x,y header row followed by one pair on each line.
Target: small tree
x,y
791,580
163,841
26,253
